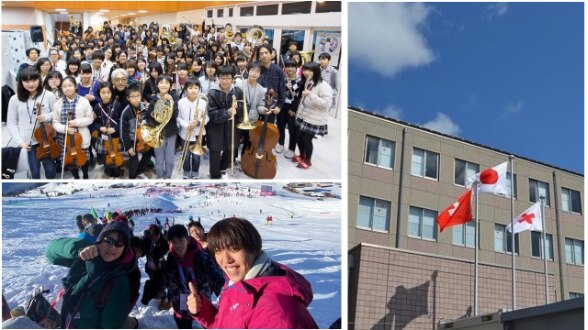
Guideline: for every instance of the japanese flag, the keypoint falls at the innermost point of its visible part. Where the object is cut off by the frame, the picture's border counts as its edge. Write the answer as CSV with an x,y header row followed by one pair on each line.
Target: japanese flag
x,y
491,180
457,213
528,220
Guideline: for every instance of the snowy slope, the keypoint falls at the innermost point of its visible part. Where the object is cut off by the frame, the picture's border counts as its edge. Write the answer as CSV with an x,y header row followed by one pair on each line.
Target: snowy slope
x,y
305,234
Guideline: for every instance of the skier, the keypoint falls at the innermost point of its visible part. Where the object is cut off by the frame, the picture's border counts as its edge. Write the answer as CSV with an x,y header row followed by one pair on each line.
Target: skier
x,y
155,253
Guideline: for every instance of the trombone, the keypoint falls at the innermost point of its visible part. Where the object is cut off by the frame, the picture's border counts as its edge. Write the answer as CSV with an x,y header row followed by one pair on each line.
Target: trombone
x,y
196,149
246,124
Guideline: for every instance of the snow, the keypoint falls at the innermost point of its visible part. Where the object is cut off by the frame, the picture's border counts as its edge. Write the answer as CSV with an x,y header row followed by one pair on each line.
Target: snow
x,y
305,234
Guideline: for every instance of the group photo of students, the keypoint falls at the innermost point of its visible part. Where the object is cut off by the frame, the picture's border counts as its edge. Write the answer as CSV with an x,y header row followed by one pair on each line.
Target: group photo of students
x,y
224,95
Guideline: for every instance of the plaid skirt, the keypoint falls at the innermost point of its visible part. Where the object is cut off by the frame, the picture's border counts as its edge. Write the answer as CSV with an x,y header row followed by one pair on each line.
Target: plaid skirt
x,y
99,145
310,128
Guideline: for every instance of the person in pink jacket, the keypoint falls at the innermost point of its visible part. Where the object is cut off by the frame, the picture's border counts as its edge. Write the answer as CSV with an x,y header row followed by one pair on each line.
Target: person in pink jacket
x,y
259,293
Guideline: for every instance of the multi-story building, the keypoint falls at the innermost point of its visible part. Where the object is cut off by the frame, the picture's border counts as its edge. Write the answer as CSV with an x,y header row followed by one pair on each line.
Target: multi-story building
x,y
404,273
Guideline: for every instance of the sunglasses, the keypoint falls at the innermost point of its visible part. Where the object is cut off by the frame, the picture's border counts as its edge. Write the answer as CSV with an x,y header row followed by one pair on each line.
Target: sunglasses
x,y
112,241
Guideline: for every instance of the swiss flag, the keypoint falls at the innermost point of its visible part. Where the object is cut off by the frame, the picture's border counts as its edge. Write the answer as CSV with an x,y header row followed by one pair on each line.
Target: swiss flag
x,y
491,180
528,220
457,213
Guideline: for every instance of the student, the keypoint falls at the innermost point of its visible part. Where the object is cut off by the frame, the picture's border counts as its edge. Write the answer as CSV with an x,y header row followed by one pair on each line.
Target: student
x,y
222,106
329,75
191,111
43,65
150,87
107,113
23,117
73,68
272,77
165,153
210,79
197,70
277,296
180,82
129,123
53,83
56,62
287,117
242,66
255,95
82,117
32,56
155,253
313,112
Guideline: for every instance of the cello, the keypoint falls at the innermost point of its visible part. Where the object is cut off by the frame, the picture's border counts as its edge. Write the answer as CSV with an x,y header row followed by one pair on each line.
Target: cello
x,y
113,155
258,161
74,155
45,134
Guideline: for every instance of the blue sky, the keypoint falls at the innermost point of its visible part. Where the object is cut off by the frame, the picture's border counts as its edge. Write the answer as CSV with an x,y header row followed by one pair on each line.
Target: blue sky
x,y
510,76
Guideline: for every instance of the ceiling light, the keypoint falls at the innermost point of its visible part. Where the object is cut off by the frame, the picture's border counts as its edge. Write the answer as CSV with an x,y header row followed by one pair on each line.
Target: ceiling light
x,y
59,9
104,10
143,11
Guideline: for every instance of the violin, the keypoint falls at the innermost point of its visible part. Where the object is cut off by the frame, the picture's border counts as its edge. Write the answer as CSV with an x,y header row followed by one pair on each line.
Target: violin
x,y
74,154
258,161
140,144
45,134
113,156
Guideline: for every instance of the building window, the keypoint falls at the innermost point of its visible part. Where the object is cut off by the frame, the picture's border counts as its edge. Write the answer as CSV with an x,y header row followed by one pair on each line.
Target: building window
x,y
537,246
295,8
425,163
503,241
465,234
570,200
230,15
576,295
508,185
220,12
464,170
422,224
328,7
574,251
267,10
538,189
379,152
373,214
208,14
246,11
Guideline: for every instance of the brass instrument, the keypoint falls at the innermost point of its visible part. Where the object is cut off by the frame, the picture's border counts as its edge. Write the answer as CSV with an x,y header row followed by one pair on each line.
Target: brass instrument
x,y
255,35
196,149
306,56
162,113
227,37
246,124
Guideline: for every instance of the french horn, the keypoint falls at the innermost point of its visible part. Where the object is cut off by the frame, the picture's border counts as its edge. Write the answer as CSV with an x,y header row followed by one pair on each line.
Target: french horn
x,y
162,113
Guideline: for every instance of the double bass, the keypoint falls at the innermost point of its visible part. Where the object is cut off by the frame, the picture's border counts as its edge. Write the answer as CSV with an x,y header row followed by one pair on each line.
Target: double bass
x,y
258,161
113,155
45,134
73,155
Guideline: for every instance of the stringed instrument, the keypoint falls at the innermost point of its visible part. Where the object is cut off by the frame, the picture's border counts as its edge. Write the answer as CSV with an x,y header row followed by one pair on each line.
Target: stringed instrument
x,y
45,134
258,161
140,144
74,154
113,155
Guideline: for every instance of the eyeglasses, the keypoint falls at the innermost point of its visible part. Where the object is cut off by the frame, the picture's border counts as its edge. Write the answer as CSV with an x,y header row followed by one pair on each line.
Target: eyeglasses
x,y
120,79
112,241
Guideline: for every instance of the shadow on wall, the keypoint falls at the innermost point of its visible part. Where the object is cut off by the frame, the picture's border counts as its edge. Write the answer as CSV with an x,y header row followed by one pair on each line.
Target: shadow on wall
x,y
408,304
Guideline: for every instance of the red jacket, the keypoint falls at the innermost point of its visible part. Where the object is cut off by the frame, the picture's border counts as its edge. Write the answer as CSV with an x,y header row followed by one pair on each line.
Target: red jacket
x,y
277,300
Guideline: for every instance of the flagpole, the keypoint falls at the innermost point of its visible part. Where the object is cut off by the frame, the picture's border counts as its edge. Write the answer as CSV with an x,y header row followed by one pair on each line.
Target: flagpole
x,y
476,254
514,280
544,248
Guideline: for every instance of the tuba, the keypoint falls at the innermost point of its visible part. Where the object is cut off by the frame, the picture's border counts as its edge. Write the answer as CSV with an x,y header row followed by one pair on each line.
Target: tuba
x,y
255,35
162,113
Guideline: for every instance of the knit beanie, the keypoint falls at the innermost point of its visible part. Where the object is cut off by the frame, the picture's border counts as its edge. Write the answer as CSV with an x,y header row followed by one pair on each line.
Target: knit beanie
x,y
121,227
176,231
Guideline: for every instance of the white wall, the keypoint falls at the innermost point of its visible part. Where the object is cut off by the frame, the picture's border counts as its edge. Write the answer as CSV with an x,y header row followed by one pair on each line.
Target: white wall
x,y
22,16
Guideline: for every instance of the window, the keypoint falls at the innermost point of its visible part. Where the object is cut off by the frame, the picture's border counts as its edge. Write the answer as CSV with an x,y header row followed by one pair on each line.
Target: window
x,y
230,12
424,163
295,8
508,185
503,241
267,10
289,36
328,6
574,251
246,11
464,170
373,214
220,12
465,234
570,200
538,189
422,224
576,295
537,246
379,152
208,14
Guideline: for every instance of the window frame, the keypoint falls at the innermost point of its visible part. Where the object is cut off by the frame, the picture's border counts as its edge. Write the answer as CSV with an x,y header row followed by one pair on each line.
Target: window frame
x,y
536,192
377,164
573,254
371,216
424,164
506,240
464,233
571,200
421,224
549,237
465,175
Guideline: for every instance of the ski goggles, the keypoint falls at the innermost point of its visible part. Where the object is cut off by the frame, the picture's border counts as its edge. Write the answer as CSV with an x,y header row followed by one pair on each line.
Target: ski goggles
x,y
112,241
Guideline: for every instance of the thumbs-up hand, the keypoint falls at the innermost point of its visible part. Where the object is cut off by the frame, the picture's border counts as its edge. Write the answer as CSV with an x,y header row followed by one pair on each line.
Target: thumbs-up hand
x,y
194,300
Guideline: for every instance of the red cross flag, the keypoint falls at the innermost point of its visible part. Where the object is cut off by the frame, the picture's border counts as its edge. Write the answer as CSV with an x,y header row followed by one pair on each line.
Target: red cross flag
x,y
457,213
528,220
491,180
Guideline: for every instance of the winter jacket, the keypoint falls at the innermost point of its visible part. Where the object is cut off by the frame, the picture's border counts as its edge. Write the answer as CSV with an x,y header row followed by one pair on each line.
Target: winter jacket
x,y
197,266
314,108
276,299
103,112
255,101
218,129
127,123
84,117
186,113
20,121
273,78
85,281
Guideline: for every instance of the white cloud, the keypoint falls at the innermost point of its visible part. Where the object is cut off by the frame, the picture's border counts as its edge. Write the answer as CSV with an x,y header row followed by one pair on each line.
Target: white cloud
x,y
442,123
496,10
386,37
391,111
513,108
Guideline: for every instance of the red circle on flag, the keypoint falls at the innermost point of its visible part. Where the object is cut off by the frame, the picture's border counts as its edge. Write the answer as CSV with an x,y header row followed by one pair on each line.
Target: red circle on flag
x,y
489,176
